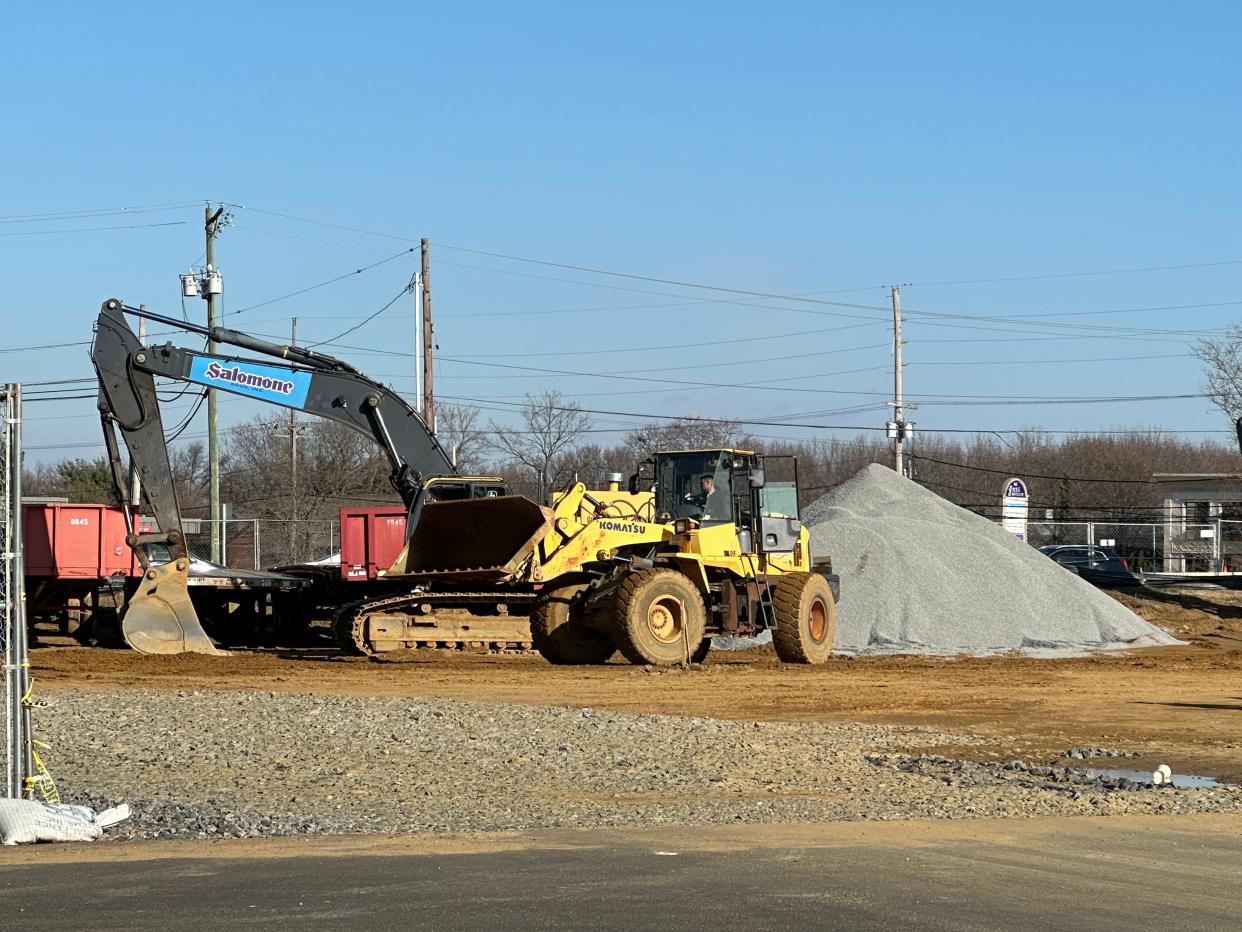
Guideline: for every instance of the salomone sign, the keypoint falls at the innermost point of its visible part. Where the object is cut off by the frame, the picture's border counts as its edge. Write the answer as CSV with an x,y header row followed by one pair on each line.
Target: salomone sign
x,y
267,383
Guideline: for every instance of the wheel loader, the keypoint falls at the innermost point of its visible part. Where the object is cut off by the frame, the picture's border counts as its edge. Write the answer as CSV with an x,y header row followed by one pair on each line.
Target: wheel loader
x,y
732,561
700,544
653,573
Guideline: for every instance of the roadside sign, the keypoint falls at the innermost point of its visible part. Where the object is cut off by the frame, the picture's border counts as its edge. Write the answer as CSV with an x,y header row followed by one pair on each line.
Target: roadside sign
x,y
1014,505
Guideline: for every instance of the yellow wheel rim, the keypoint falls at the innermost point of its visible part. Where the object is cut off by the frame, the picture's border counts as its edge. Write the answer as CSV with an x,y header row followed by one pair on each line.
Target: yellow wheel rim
x,y
818,620
666,619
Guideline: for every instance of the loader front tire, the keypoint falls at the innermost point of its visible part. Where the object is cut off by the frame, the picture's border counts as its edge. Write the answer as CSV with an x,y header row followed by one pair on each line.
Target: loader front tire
x,y
806,618
560,637
658,618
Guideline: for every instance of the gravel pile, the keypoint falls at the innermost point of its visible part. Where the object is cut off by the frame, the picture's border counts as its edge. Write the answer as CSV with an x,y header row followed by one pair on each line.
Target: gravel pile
x,y
207,764
921,575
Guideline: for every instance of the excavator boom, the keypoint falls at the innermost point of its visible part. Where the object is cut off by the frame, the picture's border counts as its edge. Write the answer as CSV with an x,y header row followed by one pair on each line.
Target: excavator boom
x,y
160,617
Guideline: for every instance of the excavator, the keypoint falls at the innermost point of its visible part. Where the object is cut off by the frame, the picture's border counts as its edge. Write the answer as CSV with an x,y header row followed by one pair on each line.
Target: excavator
x,y
159,617
700,544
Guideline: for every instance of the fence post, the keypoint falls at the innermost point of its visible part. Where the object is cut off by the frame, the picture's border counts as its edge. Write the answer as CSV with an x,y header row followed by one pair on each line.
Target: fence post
x,y
1090,533
258,564
1218,548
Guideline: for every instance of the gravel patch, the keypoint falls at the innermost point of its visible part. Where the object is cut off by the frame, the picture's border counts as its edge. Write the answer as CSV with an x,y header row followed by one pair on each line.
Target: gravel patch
x,y
921,575
206,763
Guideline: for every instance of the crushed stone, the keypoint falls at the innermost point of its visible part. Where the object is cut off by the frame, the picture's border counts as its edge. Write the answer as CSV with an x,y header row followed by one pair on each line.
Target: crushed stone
x,y
921,575
209,764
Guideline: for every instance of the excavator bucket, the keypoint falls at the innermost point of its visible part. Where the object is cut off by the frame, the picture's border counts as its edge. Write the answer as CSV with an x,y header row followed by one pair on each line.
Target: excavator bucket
x,y
160,619
481,539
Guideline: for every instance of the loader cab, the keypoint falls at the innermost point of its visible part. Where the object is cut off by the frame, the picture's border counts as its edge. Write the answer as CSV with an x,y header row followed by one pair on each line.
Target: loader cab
x,y
452,489
758,494
459,488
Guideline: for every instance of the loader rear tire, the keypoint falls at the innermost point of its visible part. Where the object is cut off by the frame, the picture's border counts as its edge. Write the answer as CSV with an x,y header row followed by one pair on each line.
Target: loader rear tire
x,y
658,618
560,637
806,618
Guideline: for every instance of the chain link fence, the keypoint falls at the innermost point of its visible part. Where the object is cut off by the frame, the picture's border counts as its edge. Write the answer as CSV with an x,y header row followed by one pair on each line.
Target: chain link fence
x,y
1174,546
260,543
18,751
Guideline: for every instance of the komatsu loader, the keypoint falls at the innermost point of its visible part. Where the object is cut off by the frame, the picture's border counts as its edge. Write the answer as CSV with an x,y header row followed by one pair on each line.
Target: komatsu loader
x,y
654,571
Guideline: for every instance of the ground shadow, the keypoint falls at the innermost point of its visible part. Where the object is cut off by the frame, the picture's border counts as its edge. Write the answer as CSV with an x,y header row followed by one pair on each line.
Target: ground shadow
x,y
1219,706
1187,601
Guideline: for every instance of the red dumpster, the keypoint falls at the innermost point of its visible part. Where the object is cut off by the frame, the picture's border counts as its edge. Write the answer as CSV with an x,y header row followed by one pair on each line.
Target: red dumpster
x,y
74,555
371,539
76,541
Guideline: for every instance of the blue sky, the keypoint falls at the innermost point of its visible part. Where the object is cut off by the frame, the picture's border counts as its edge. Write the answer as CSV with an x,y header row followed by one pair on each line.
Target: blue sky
x,y
789,149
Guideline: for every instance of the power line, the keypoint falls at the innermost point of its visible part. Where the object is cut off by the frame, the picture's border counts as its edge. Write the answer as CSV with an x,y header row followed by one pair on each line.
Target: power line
x,y
91,213
1011,322
309,239
42,346
1029,475
1029,324
138,226
397,297
921,399
772,422
324,284
680,346
1031,278
924,284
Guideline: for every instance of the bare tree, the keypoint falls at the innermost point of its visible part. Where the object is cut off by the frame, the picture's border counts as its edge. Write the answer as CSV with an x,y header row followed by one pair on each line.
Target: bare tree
x,y
189,471
336,465
552,426
457,432
683,434
1222,369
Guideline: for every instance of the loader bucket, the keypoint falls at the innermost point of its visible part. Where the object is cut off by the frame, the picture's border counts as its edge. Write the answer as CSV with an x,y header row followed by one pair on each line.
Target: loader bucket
x,y
160,619
474,539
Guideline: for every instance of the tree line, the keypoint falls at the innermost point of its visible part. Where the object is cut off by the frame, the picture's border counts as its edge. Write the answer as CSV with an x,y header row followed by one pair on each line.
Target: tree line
x,y
1074,477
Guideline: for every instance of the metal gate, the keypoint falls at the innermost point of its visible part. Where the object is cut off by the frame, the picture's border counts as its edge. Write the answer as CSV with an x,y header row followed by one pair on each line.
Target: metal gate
x,y
18,750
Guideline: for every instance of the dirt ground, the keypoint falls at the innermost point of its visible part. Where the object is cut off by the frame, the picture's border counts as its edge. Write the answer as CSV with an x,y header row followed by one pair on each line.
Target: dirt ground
x,y
1181,705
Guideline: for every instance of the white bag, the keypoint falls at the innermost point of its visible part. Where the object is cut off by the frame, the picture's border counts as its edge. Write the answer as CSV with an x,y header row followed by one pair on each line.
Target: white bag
x,y
24,821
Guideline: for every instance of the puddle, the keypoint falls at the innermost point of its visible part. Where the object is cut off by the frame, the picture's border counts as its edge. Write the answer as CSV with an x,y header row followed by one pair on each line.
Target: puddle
x,y
1180,781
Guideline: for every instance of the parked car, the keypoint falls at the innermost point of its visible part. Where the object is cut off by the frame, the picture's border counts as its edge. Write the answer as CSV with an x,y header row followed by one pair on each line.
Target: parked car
x,y
1100,566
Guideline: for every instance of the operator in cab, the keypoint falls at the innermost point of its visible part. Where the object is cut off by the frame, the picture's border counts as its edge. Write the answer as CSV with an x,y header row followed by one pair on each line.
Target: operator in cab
x,y
712,503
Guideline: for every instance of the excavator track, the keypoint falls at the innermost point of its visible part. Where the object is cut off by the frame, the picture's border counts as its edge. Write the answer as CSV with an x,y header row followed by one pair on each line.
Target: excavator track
x,y
434,620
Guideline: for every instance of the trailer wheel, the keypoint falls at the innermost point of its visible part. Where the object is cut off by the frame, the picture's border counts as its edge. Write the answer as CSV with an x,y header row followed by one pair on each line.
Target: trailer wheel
x,y
659,618
560,636
806,618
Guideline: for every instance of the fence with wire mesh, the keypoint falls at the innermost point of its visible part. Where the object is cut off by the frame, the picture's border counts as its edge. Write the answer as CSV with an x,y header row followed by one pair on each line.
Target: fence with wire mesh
x,y
1173,546
261,543
18,763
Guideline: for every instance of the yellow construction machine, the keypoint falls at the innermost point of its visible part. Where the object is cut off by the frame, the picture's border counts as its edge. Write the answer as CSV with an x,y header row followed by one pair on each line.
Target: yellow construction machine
x,y
703,542
701,545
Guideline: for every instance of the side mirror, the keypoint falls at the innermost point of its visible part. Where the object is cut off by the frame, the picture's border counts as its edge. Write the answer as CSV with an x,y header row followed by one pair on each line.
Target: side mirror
x,y
758,479
633,486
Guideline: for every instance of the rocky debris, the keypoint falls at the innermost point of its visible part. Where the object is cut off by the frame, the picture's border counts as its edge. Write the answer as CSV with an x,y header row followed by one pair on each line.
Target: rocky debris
x,y
1021,773
201,764
1088,752
921,575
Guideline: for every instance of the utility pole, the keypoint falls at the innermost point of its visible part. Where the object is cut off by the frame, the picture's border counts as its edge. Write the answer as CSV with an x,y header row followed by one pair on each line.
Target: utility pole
x,y
213,451
293,436
429,410
899,419
416,289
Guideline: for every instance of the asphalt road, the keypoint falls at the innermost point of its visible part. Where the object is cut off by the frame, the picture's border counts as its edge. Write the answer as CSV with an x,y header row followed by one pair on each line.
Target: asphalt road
x,y
1041,874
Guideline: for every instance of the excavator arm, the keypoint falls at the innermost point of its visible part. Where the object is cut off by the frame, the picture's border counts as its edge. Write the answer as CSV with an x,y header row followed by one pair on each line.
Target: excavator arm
x,y
160,617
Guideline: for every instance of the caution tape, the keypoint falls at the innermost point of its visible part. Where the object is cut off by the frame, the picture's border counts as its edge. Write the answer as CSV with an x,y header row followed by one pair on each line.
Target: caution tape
x,y
42,779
